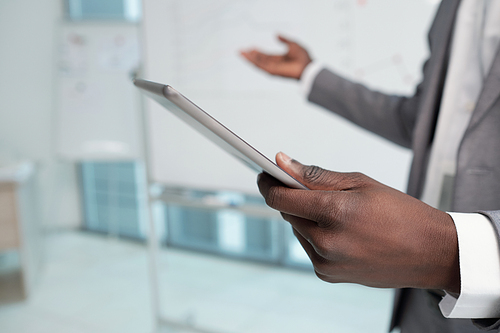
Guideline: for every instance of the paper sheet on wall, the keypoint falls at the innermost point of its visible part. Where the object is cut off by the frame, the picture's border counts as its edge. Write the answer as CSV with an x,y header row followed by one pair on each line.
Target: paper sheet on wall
x,y
73,55
82,97
118,53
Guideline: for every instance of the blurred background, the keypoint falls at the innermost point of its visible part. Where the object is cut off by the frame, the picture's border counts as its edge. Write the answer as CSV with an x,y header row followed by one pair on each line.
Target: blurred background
x,y
117,217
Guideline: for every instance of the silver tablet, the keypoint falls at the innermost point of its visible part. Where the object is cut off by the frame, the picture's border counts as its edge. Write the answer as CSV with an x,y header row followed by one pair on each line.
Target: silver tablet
x,y
207,125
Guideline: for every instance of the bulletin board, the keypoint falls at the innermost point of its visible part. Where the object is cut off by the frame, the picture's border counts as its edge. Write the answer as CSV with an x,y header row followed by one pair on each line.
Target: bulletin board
x,y
98,108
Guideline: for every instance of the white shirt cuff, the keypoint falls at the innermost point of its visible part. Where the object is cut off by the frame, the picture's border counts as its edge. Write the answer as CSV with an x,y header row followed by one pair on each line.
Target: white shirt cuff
x,y
308,76
479,269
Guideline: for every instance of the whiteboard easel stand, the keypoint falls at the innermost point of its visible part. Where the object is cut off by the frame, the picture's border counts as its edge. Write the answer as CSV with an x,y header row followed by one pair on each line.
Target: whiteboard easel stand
x,y
152,236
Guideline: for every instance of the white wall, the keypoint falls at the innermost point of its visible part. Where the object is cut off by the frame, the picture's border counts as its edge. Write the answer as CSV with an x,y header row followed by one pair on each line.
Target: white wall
x,y
27,52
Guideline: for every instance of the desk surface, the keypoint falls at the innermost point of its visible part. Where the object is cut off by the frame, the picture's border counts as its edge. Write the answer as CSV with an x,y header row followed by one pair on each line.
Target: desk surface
x,y
16,173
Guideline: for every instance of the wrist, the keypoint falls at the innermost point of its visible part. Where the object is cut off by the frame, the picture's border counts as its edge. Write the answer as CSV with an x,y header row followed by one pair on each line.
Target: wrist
x,y
303,66
449,257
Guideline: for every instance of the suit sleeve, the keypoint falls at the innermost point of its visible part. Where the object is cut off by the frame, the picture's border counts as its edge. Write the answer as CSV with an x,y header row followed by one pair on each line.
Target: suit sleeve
x,y
390,116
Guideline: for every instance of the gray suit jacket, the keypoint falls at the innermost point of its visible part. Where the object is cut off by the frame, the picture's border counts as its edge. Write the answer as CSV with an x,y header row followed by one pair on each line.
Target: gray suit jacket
x,y
410,122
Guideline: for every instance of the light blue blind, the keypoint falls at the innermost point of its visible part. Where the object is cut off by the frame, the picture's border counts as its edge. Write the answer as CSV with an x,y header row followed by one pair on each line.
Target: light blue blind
x,y
127,10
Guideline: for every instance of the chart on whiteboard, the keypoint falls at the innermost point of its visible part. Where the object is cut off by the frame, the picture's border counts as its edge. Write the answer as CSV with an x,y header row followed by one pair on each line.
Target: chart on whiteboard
x,y
208,35
358,37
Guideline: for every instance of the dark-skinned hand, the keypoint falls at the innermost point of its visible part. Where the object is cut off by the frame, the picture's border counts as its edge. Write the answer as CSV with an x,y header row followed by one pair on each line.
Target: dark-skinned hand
x,y
357,230
290,64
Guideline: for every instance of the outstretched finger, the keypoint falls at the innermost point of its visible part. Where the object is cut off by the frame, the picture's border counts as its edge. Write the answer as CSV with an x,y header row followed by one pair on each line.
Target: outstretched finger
x,y
258,55
262,60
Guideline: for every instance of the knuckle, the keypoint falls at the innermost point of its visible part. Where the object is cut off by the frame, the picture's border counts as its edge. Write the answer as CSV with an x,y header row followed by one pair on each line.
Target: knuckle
x,y
343,206
328,279
325,271
273,196
357,180
356,176
326,245
320,265
314,174
342,212
329,211
329,274
322,246
320,275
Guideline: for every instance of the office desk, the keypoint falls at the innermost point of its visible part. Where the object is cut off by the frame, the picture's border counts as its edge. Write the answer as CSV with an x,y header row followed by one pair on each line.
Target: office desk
x,y
19,230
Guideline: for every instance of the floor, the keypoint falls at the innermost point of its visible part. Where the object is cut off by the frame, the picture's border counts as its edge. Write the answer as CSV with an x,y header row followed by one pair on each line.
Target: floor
x,y
91,283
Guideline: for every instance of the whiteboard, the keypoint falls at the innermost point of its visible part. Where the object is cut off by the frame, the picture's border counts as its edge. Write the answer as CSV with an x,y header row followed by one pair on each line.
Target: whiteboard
x,y
98,108
193,45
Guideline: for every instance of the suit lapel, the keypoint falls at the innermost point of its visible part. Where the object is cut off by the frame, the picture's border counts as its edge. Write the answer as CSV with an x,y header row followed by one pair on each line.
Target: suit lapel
x,y
440,38
438,68
490,92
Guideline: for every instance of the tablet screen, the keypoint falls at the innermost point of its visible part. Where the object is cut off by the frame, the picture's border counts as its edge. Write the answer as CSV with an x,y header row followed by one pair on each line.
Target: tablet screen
x,y
207,125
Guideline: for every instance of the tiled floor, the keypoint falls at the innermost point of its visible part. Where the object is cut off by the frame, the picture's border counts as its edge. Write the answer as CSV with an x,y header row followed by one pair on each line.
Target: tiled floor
x,y
93,284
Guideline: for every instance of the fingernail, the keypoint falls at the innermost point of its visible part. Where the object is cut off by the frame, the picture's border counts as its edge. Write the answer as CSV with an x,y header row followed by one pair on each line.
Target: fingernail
x,y
287,159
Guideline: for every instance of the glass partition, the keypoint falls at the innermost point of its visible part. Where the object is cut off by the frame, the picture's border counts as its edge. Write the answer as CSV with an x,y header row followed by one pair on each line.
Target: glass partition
x,y
225,262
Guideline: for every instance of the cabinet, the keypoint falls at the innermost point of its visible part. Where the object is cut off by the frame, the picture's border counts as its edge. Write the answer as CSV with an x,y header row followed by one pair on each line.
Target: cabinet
x,y
20,234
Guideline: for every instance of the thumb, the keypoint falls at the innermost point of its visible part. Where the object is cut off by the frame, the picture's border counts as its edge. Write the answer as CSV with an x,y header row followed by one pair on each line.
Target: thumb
x,y
285,40
314,177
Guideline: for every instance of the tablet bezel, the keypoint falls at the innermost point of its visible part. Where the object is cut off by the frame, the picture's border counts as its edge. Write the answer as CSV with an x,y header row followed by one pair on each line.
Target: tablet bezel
x,y
215,131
